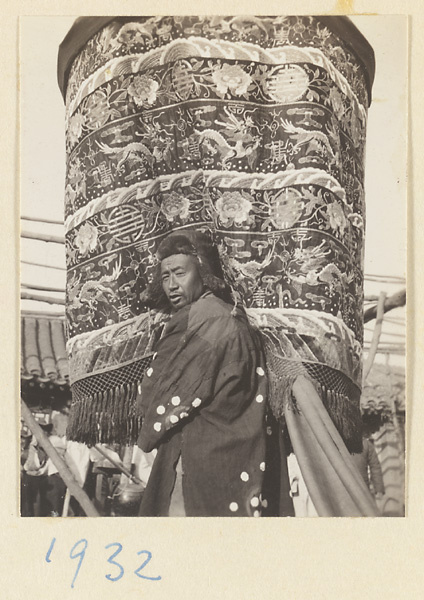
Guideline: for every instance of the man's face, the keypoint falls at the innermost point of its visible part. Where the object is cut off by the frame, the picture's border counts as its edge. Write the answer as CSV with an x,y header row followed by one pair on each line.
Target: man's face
x,y
181,280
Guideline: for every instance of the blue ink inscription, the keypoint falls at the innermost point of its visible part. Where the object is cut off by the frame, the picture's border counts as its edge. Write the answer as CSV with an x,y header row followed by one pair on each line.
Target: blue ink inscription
x,y
137,571
49,551
79,555
79,549
112,562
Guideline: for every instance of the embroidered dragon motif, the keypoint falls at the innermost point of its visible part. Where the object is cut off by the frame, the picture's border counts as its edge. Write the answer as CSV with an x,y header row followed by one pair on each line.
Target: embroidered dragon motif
x,y
135,152
315,141
91,292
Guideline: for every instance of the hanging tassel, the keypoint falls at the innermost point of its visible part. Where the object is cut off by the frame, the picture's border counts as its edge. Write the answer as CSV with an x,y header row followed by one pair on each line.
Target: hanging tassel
x,y
107,417
345,413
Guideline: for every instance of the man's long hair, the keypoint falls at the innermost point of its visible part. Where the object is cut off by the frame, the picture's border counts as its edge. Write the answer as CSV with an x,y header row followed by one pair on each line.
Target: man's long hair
x,y
192,243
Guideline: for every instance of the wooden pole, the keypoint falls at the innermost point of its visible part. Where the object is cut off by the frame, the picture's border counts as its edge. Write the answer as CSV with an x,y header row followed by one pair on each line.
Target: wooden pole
x,y
118,465
387,277
34,264
63,469
375,337
65,509
389,333
384,280
394,301
126,461
43,237
42,288
42,220
400,349
48,299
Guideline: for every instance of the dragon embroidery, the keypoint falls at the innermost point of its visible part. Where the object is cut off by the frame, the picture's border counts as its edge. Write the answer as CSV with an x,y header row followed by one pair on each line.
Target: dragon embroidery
x,y
131,154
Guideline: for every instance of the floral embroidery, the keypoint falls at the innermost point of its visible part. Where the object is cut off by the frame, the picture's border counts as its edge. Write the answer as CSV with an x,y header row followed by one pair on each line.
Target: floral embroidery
x,y
231,78
143,90
285,209
174,205
86,239
336,217
134,37
235,134
233,207
356,220
75,125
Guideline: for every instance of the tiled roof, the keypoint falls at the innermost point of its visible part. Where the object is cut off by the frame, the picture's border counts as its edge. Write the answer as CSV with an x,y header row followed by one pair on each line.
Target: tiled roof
x,y
43,350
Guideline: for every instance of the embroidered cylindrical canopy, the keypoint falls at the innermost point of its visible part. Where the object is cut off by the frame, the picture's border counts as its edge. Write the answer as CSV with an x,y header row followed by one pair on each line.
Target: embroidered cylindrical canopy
x,y
250,127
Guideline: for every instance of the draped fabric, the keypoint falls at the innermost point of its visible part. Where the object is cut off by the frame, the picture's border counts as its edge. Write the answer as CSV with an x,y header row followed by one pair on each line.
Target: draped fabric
x,y
250,127
333,481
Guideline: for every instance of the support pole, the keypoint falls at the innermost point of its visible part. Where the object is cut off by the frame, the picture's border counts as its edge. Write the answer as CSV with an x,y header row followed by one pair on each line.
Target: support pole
x,y
394,301
118,465
126,461
66,502
35,297
43,288
43,237
63,469
35,264
42,220
375,336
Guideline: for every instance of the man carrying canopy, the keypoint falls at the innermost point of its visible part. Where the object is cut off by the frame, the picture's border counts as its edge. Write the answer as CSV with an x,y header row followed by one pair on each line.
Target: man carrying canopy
x,y
203,401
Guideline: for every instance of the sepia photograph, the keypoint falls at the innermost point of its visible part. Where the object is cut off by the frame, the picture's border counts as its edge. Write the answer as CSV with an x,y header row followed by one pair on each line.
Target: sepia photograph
x,y
213,266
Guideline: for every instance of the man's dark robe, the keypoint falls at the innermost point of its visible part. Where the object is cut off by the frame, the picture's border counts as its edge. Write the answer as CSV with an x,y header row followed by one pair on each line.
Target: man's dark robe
x,y
205,399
